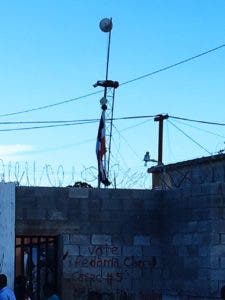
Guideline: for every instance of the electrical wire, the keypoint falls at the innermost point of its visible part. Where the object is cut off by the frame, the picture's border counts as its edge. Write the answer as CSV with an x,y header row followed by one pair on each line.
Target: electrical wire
x,y
136,125
126,142
203,130
168,141
49,122
121,84
62,123
174,65
46,126
184,133
49,105
197,121
76,121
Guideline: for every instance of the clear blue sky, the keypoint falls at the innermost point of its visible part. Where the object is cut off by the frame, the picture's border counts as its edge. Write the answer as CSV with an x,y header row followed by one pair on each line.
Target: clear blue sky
x,y
51,51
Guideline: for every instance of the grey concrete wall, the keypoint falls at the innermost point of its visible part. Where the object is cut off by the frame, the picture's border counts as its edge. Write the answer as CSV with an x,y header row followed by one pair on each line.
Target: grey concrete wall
x,y
144,243
110,238
193,242
7,230
188,173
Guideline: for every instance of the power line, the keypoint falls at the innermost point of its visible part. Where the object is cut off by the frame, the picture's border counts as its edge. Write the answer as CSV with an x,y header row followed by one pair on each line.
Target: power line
x,y
46,126
78,121
49,122
49,105
85,121
58,123
197,121
126,142
174,65
63,123
189,137
121,84
204,130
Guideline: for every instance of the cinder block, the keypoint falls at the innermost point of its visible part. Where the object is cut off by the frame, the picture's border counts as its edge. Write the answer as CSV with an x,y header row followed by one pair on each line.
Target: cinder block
x,y
71,249
182,251
78,193
203,251
132,251
102,239
213,284
216,238
142,240
85,251
203,226
217,250
177,239
80,239
56,215
216,262
192,226
151,251
217,274
37,214
112,204
66,239
187,239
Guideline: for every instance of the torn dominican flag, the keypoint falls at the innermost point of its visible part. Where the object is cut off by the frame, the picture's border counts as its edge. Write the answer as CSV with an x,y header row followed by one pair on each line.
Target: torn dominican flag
x,y
101,151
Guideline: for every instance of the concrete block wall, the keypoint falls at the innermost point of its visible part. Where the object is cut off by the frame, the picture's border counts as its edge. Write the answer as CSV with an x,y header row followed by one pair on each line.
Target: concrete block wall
x,y
147,244
110,238
99,262
193,242
188,173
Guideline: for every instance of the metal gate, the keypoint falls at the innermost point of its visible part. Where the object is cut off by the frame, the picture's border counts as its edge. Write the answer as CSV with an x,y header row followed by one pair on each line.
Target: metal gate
x,y
36,262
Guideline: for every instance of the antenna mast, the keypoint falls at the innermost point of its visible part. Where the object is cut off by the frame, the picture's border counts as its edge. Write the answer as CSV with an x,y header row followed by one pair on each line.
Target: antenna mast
x,y
107,102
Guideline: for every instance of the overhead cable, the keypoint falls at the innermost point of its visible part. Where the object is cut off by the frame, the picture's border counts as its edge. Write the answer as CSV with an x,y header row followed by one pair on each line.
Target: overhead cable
x,y
79,121
174,65
189,137
46,126
49,105
201,129
121,84
85,121
197,121
114,119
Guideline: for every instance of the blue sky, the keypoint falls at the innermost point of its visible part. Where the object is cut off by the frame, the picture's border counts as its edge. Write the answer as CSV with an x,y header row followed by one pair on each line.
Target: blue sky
x,y
51,51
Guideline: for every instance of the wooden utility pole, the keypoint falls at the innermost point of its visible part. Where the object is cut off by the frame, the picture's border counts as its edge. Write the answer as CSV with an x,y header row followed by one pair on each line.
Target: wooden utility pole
x,y
160,118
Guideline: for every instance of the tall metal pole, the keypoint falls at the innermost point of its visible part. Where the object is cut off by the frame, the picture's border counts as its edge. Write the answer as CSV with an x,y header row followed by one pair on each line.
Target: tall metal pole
x,y
106,26
105,92
108,53
160,118
110,133
107,112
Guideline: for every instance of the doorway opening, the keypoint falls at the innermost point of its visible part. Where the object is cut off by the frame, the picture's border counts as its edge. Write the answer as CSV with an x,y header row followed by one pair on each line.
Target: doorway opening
x,y
36,260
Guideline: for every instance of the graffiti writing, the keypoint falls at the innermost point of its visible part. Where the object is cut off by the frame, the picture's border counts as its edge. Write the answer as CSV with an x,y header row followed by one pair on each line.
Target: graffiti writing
x,y
103,250
113,262
96,262
108,278
106,268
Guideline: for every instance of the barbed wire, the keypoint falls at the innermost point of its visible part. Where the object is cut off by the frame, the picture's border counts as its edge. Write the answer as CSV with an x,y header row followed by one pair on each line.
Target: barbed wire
x,y
30,174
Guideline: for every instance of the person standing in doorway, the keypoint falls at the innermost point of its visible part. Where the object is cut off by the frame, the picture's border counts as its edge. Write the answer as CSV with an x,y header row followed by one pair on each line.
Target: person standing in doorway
x,y
5,292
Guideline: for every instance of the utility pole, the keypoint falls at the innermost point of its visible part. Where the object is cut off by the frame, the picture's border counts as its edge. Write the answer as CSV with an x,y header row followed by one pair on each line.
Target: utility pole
x,y
160,118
